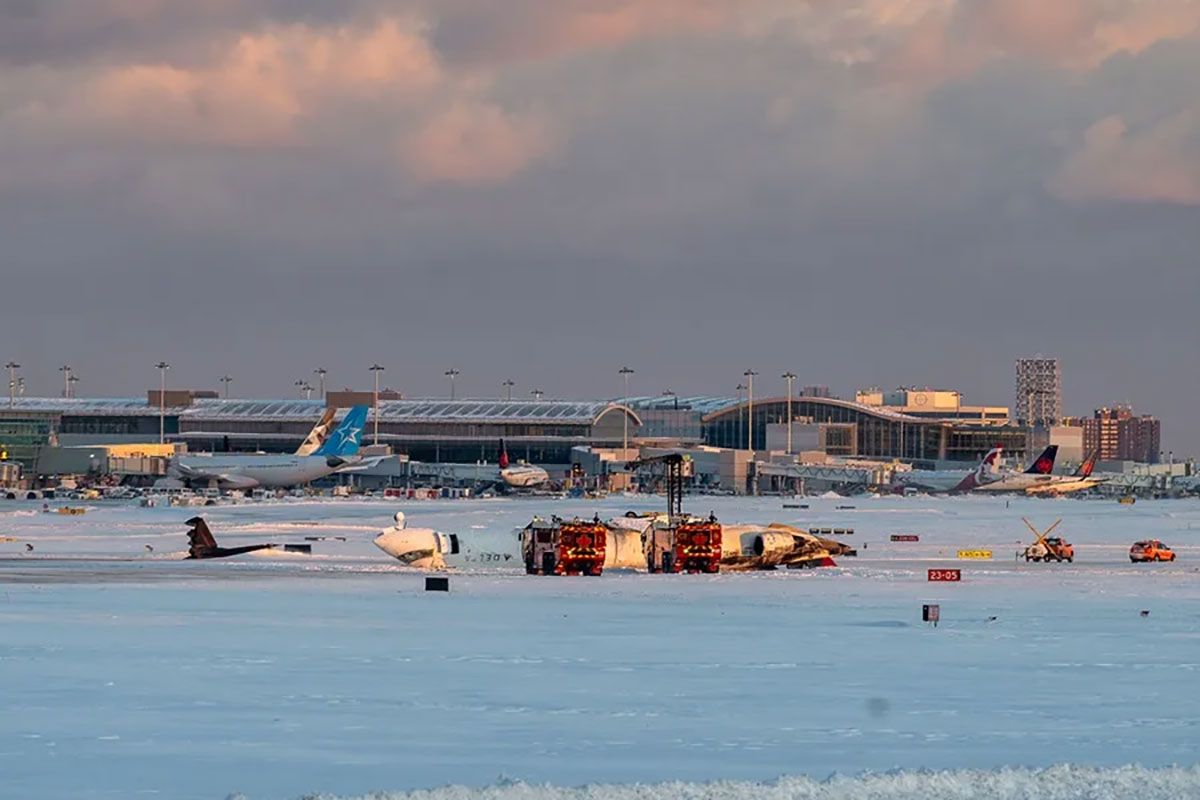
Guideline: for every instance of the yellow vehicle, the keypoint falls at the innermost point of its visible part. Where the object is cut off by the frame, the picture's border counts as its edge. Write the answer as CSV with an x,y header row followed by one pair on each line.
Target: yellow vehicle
x,y
1150,550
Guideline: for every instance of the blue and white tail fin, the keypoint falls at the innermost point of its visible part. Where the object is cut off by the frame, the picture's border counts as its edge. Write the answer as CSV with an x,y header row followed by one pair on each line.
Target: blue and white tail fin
x,y
347,436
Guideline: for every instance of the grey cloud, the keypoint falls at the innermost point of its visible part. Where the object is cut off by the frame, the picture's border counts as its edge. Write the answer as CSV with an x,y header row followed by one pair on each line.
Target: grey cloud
x,y
714,203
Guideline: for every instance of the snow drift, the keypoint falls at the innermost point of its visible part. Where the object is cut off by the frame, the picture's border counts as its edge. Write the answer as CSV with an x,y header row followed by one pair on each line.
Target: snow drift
x,y
1064,782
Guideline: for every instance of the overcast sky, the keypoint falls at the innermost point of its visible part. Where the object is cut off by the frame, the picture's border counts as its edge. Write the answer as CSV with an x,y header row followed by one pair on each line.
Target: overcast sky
x,y
880,192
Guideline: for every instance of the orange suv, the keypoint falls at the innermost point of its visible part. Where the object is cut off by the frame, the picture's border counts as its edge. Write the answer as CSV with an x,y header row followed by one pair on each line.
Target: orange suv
x,y
1150,550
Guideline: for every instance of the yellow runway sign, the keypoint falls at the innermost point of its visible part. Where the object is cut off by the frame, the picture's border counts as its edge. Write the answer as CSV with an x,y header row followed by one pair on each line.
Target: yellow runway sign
x,y
975,554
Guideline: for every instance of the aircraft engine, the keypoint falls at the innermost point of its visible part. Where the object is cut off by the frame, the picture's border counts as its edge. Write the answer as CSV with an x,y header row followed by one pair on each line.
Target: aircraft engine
x,y
421,548
773,545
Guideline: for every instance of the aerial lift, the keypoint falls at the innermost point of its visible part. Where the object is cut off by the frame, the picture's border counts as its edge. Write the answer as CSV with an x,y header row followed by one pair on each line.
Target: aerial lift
x,y
679,543
1048,548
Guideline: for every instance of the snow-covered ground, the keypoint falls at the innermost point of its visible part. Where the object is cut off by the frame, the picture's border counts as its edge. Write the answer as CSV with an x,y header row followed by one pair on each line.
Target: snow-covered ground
x,y
126,672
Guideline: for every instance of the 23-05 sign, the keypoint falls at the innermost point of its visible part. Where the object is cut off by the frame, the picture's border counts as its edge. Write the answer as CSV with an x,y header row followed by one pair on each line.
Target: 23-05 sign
x,y
952,575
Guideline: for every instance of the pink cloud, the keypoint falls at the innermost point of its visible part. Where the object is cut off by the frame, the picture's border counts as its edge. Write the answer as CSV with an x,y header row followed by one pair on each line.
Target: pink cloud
x,y
1158,163
475,143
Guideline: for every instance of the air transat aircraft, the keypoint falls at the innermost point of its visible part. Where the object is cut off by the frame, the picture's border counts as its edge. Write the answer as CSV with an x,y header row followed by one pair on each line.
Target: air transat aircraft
x,y
252,471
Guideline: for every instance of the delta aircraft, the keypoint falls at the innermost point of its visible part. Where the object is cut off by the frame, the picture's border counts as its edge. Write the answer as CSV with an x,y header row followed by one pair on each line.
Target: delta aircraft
x,y
520,476
252,471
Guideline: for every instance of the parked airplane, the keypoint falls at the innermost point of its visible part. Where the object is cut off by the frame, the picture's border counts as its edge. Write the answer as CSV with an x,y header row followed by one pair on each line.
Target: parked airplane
x,y
251,471
1077,481
520,476
1038,474
951,481
316,437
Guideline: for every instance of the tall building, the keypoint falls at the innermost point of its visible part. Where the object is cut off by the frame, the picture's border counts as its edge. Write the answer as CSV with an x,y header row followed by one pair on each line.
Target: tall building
x,y
1038,397
1116,434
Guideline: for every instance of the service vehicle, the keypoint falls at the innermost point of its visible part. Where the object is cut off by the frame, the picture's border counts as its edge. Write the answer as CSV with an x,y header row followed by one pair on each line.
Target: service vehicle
x,y
564,547
1150,550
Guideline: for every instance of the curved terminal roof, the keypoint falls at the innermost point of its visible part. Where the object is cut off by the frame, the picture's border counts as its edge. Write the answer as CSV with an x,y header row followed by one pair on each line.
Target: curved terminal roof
x,y
874,411
703,404
86,406
579,412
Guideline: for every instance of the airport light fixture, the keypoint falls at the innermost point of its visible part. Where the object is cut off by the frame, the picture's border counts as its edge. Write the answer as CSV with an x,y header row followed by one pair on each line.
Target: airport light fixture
x,y
162,368
625,372
508,386
65,369
304,388
226,379
74,379
321,372
537,393
452,373
790,377
12,368
376,369
741,387
749,375
671,394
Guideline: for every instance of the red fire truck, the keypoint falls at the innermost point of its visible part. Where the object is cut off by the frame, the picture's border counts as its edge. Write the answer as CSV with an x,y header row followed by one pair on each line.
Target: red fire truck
x,y
688,544
564,547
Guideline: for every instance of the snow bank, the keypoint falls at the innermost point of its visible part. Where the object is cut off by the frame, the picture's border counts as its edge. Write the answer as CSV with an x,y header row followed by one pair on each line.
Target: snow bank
x,y
1064,782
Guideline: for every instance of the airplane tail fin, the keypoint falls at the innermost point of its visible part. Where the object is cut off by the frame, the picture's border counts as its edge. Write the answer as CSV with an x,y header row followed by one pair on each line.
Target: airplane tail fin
x,y
200,538
316,437
345,439
504,462
1089,464
982,473
1043,464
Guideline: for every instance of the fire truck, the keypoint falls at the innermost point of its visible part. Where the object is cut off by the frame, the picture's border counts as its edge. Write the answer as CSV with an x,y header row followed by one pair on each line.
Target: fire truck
x,y
675,542
683,544
564,547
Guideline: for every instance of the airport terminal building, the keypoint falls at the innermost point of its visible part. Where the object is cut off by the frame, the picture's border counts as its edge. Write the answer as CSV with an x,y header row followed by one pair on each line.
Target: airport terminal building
x,y
469,431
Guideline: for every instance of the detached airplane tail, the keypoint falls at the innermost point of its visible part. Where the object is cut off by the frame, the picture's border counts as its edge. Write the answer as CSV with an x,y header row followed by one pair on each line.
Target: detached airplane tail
x,y
1044,464
201,543
346,437
1089,464
316,437
983,472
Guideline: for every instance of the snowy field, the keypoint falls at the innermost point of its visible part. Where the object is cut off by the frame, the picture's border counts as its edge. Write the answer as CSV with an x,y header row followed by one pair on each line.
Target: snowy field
x,y
127,673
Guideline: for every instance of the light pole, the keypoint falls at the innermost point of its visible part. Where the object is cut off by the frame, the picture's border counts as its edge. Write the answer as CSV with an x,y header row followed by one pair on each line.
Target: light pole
x,y
304,388
674,397
12,368
741,387
452,373
74,379
321,372
226,379
162,368
375,368
625,372
749,375
790,377
537,393
508,384
65,369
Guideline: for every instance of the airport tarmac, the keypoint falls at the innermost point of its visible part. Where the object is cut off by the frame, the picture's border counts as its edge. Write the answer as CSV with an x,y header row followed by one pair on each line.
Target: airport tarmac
x,y
279,675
